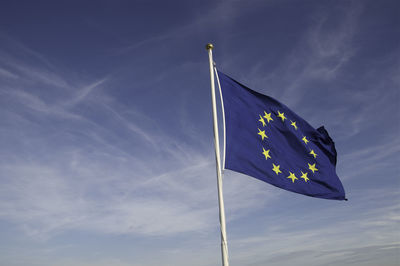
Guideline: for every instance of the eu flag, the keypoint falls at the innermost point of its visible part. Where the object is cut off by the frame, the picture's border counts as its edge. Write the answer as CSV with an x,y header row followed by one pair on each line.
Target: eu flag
x,y
268,141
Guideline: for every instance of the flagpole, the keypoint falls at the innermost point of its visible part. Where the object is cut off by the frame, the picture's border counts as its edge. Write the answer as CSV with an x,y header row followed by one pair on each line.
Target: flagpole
x,y
224,242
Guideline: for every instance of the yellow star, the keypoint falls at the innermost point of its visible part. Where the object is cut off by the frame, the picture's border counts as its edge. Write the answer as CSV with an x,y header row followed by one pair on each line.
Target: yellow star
x,y
276,169
282,115
293,123
312,167
262,121
305,140
312,152
266,154
304,176
292,176
268,116
262,134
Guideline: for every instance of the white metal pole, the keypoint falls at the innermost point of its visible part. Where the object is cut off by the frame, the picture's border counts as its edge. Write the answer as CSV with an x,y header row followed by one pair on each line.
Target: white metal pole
x,y
224,242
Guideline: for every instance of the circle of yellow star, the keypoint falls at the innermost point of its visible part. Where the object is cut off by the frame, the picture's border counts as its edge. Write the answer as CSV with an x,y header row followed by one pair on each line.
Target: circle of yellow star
x,y
312,152
282,115
292,176
293,123
262,121
266,154
304,176
312,167
305,140
276,169
262,134
268,116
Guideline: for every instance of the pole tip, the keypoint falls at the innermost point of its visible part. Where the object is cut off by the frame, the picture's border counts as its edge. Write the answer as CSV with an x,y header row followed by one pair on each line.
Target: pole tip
x,y
209,46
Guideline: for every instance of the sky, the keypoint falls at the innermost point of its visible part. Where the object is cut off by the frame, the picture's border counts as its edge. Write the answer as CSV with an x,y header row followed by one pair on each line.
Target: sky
x,y
106,137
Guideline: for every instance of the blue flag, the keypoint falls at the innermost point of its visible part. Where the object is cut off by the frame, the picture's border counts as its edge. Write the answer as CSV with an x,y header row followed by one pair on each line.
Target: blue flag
x,y
268,141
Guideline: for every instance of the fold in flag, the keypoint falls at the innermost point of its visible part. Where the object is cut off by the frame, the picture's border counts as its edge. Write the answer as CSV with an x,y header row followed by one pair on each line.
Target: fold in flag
x,y
268,141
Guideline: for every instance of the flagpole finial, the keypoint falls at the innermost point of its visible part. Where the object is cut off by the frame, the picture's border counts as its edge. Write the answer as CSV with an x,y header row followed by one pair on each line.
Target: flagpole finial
x,y
209,46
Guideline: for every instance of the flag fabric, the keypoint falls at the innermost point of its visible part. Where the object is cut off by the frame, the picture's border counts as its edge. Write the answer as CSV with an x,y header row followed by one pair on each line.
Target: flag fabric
x,y
268,141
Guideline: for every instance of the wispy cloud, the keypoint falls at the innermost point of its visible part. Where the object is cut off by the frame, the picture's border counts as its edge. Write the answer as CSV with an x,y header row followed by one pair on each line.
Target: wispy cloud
x,y
80,176
320,55
371,158
82,93
319,239
7,74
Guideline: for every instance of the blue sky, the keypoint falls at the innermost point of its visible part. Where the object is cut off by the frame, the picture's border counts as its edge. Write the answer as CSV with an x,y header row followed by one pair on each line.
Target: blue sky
x,y
106,131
